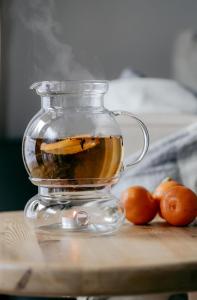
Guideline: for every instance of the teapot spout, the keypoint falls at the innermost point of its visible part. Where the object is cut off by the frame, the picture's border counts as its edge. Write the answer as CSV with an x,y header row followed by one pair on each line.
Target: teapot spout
x,y
35,85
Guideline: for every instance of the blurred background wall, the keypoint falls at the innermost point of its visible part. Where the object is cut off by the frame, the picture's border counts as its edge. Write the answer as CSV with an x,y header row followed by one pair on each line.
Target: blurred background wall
x,y
66,39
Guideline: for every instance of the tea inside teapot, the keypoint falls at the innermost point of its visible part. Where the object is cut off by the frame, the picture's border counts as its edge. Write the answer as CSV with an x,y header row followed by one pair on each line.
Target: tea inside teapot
x,y
77,157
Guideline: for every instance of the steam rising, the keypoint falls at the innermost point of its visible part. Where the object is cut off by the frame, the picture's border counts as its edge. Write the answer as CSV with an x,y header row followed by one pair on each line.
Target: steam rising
x,y
52,58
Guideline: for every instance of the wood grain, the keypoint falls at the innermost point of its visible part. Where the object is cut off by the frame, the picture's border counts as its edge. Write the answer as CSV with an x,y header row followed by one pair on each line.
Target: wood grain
x,y
136,260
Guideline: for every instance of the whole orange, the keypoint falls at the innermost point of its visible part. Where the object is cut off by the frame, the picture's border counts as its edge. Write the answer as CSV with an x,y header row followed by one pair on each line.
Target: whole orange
x,y
179,206
140,206
162,189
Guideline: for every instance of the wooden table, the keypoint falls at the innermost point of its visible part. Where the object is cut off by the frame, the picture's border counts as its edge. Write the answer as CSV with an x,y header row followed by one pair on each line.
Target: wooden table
x,y
136,260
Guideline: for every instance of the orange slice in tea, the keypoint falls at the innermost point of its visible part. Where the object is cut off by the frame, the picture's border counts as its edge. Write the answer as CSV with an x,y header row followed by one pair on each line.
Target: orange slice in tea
x,y
70,145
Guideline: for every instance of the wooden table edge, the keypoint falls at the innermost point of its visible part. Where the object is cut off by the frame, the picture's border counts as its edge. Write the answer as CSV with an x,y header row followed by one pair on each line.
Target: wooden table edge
x,y
100,281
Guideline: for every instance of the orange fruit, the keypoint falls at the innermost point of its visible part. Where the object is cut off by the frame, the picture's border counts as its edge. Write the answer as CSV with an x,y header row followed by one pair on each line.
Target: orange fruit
x,y
140,206
162,189
179,206
70,145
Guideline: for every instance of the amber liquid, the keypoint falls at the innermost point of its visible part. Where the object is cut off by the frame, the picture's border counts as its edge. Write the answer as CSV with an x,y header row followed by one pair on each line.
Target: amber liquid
x,y
75,158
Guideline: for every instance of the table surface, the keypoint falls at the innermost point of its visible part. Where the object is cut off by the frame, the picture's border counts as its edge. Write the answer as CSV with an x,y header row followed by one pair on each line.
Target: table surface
x,y
135,260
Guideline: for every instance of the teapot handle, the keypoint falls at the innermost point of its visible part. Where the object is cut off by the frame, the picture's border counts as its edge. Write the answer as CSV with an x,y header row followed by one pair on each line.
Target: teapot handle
x,y
144,130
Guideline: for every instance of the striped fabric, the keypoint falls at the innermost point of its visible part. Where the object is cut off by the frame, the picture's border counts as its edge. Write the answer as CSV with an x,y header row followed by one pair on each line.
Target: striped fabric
x,y
173,156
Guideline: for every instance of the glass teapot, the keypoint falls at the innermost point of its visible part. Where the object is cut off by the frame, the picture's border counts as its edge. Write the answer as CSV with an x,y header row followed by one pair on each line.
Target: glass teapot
x,y
73,152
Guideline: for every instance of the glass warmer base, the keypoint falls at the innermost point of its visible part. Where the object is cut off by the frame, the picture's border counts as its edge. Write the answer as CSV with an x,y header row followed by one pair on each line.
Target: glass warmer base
x,y
59,212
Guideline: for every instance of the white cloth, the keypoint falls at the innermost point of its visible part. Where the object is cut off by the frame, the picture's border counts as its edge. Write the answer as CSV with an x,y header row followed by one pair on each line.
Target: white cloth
x,y
145,95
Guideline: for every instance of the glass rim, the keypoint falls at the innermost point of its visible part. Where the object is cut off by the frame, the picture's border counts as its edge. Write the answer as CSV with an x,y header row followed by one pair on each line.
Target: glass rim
x,y
70,87
77,182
